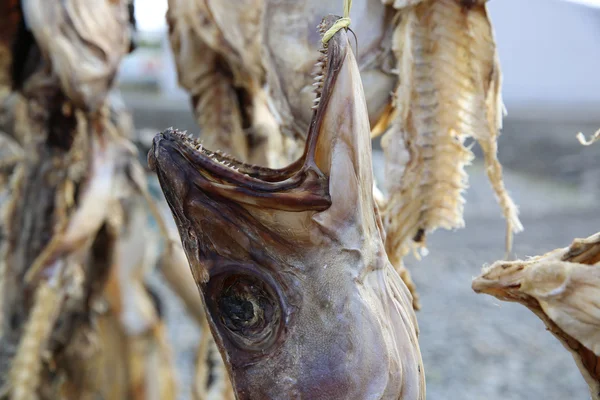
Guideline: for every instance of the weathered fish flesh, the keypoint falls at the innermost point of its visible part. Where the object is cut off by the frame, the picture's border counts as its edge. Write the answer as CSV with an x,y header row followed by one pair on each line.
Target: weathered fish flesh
x,y
562,288
302,299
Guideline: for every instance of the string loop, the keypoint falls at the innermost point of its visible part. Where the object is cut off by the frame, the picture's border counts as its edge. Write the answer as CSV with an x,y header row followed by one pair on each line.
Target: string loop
x,y
342,23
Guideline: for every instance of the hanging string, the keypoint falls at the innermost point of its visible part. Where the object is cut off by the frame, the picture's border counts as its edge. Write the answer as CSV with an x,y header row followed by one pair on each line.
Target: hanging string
x,y
342,23
594,138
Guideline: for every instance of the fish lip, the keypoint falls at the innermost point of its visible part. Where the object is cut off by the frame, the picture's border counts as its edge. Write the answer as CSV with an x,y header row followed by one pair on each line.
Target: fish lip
x,y
176,143
211,166
484,285
503,289
502,276
177,165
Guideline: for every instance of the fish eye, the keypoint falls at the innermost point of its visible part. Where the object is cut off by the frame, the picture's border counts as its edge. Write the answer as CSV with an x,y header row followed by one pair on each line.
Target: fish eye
x,y
245,309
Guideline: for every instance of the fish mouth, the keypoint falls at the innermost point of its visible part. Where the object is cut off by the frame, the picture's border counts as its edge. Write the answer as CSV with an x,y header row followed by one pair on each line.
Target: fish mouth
x,y
298,187
502,280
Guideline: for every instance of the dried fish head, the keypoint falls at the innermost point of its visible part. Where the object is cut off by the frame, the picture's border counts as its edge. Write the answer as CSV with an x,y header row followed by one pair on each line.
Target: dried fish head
x,y
301,298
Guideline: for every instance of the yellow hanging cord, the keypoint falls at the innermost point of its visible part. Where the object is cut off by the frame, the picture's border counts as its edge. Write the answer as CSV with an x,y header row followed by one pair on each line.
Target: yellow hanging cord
x,y
340,23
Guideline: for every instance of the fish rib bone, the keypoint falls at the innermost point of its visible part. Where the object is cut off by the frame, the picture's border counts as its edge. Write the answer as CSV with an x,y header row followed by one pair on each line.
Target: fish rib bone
x,y
449,91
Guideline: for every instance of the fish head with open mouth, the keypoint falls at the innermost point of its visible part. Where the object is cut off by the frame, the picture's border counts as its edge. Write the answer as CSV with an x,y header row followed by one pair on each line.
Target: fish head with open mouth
x,y
301,298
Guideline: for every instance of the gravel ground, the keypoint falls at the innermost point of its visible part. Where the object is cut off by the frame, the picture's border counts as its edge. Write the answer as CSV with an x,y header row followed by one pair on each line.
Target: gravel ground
x,y
474,346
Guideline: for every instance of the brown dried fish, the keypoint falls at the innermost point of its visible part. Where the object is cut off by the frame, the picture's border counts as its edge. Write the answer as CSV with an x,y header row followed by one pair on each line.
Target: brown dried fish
x,y
562,288
10,20
301,298
216,45
60,211
50,223
84,43
134,333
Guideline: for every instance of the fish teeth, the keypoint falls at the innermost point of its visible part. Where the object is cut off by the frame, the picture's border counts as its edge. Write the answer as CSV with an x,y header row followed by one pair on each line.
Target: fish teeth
x,y
319,77
316,102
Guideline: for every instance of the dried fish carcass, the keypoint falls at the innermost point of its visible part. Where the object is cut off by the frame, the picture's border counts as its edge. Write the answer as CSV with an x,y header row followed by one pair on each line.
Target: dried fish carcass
x,y
301,298
432,79
562,288
61,229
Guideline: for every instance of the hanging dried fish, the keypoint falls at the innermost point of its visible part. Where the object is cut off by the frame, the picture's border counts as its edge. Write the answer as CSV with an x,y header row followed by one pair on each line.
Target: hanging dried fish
x,y
61,231
449,90
217,52
432,79
84,43
562,288
291,262
407,50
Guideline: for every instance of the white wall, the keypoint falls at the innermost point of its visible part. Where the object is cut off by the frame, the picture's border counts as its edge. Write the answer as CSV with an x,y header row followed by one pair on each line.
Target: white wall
x,y
550,56
549,51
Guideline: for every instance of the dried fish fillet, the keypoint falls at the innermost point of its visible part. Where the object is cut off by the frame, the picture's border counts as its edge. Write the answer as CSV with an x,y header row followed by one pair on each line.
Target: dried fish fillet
x,y
562,288
449,91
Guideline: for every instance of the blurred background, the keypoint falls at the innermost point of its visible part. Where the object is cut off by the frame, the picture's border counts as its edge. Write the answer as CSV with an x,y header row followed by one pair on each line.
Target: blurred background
x,y
473,346
549,54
